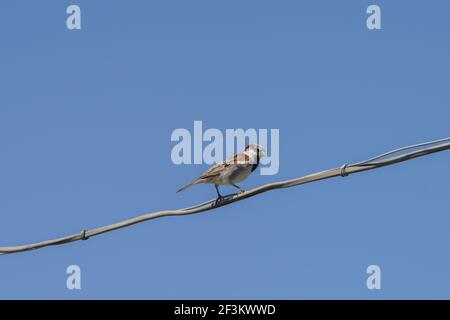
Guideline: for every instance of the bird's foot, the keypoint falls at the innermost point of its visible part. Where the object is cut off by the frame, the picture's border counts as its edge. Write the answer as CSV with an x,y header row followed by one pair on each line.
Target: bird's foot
x,y
241,191
219,201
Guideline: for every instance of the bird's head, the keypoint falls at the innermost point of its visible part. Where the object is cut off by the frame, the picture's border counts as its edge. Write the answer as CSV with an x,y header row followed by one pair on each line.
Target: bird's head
x,y
255,150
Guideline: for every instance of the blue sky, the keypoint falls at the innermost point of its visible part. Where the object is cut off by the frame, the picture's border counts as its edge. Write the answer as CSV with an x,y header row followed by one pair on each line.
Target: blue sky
x,y
85,124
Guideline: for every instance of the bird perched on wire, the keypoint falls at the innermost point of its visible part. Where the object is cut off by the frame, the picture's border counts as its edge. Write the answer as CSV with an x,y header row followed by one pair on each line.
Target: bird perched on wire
x,y
232,170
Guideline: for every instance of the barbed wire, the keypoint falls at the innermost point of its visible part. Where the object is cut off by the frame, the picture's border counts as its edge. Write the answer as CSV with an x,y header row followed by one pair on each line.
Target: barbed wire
x,y
344,170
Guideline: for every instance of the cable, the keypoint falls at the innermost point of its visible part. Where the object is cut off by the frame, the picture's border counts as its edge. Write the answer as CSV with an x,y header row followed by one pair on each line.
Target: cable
x,y
400,149
344,170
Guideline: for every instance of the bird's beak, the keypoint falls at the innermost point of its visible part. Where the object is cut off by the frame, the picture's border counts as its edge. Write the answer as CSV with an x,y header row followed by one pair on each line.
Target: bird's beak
x,y
263,153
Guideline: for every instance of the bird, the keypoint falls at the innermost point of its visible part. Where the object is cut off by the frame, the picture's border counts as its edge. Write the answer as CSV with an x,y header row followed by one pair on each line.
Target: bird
x,y
231,171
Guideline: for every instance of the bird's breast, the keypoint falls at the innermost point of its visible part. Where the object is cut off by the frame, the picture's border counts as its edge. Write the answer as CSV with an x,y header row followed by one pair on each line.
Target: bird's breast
x,y
237,173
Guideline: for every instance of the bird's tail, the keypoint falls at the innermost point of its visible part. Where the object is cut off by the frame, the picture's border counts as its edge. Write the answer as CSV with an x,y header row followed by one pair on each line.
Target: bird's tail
x,y
187,186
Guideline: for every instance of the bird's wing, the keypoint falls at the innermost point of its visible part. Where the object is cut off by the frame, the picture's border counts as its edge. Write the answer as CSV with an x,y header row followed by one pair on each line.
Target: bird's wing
x,y
218,168
214,171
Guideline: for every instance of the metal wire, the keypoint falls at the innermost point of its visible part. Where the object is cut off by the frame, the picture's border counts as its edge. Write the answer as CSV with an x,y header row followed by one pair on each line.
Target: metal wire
x,y
344,170
399,150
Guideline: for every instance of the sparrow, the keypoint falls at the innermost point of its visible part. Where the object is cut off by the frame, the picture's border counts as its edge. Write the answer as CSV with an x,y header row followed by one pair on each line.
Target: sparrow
x,y
231,171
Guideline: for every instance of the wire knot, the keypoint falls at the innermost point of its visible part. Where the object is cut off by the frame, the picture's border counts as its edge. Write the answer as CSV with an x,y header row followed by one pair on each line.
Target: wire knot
x,y
83,235
343,167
